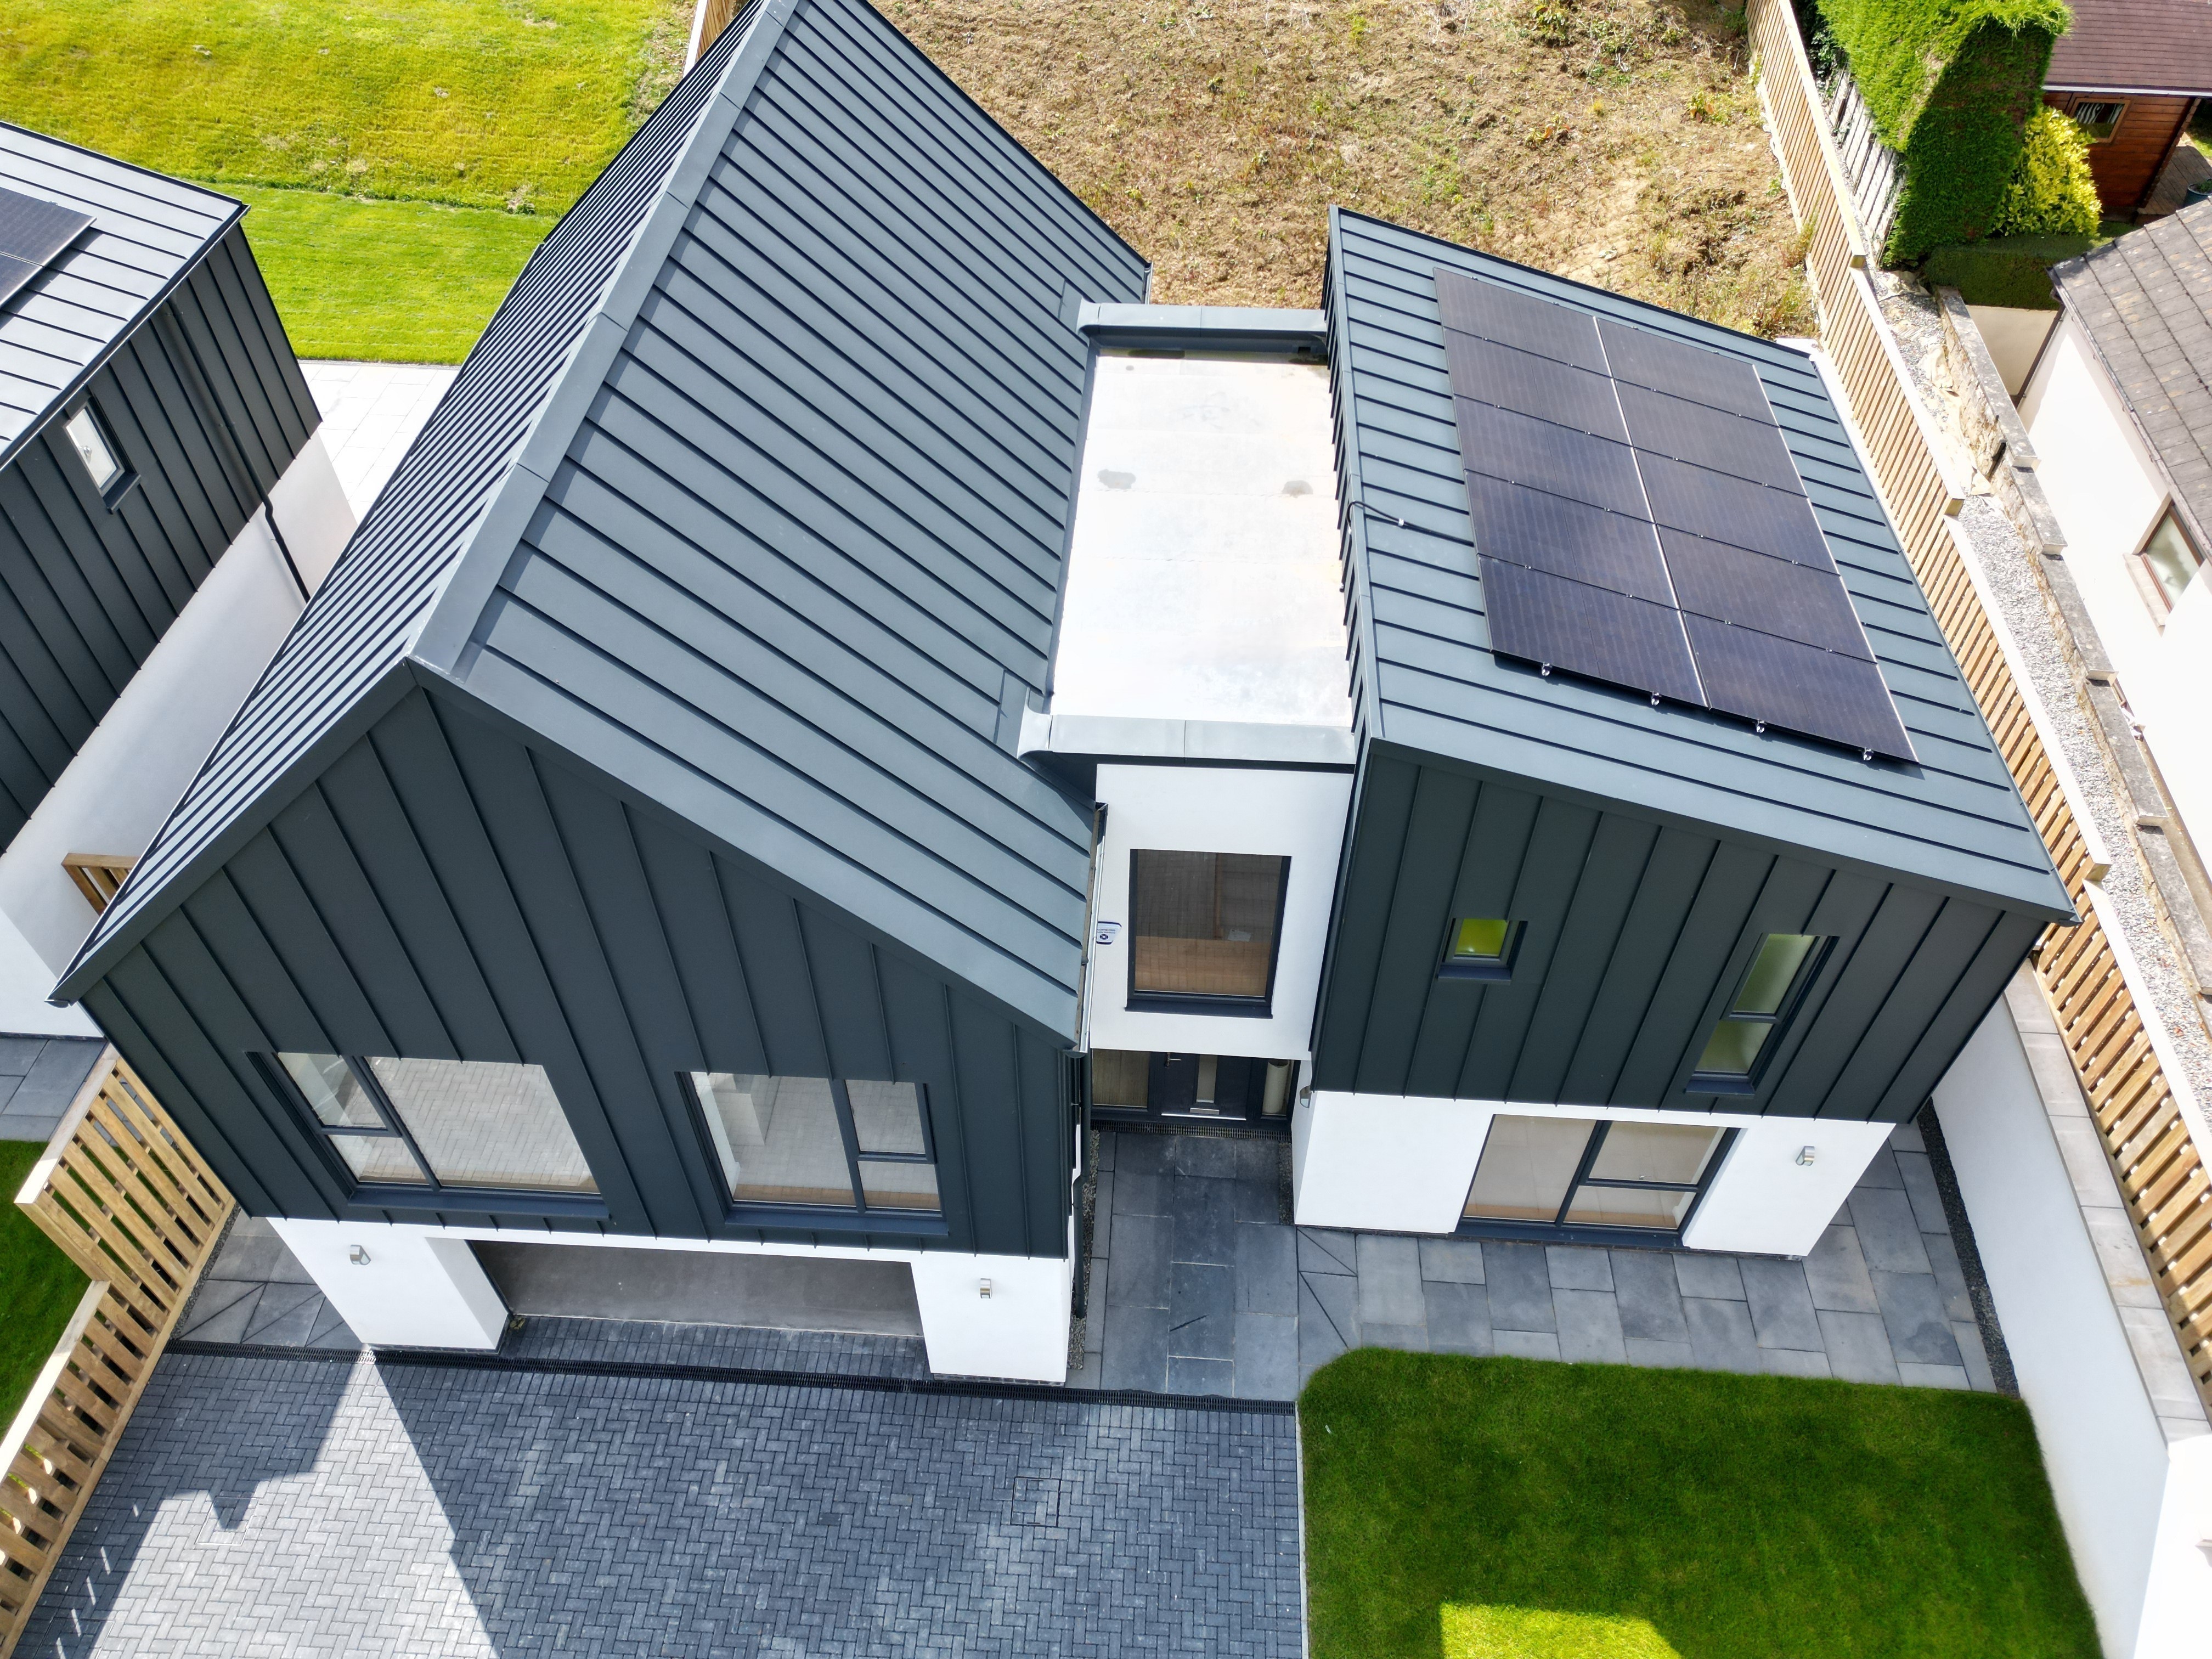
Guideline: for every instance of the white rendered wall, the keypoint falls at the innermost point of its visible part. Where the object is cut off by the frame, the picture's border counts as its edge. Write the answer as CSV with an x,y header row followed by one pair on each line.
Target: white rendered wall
x,y
2108,494
1403,1164
1198,809
116,792
422,1287
2134,1495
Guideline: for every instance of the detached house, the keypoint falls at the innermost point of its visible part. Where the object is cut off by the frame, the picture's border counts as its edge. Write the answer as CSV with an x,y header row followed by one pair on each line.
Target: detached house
x,y
843,694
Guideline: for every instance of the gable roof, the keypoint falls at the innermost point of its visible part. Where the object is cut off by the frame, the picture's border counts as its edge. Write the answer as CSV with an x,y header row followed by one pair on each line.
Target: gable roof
x,y
147,234
753,496
2145,300
1426,680
2135,46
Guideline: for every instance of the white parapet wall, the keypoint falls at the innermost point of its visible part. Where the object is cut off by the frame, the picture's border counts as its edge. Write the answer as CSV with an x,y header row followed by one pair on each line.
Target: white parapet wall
x,y
1403,1164
1005,1316
2124,1435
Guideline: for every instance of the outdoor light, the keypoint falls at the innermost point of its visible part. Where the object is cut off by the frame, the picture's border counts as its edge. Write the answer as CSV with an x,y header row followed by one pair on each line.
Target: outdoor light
x,y
1806,1154
983,1289
358,1256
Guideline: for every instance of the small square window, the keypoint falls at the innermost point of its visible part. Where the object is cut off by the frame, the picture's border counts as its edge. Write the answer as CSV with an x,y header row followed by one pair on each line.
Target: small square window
x,y
2099,121
2170,558
94,448
1480,947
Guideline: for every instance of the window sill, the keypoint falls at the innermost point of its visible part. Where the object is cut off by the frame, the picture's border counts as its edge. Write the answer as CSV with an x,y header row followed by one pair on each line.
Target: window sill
x,y
1220,1008
1487,973
485,1201
1741,1087
797,1218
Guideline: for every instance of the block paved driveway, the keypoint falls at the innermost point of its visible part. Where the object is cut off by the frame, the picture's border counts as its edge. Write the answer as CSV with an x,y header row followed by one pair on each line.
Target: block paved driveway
x,y
262,1505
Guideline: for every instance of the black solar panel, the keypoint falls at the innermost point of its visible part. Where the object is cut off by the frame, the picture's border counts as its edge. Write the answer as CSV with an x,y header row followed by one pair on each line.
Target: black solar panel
x,y
1643,358
1542,387
1794,601
1567,538
1521,449
31,234
1799,687
1546,619
1688,566
1709,437
1518,320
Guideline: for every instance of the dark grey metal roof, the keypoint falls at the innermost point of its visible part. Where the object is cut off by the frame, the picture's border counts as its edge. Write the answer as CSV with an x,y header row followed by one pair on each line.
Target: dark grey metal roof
x,y
754,496
148,232
1426,681
2145,299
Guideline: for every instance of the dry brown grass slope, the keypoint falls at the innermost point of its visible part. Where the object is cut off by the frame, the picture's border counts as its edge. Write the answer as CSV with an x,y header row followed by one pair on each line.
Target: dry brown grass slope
x,y
1614,141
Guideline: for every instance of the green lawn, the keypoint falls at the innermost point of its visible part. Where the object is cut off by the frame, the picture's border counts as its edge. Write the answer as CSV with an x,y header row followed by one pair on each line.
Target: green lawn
x,y
509,106
1511,1509
42,1285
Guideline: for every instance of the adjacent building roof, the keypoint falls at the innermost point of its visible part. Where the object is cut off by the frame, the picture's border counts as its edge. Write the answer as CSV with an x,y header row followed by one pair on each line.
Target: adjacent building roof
x,y
753,496
147,234
1426,681
2145,300
2135,46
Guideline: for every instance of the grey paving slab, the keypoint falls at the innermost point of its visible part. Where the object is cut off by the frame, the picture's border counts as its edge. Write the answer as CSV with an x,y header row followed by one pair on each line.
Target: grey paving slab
x,y
1137,1272
1858,1346
1414,1339
1712,1277
1881,1171
1665,1356
1781,1304
1201,1311
1529,1344
1102,1214
1794,1362
1950,1277
1919,1178
1907,1137
1135,1354
1578,1268
1452,1260
1889,1233
1109,1148
1266,1269
1205,1220
1836,1273
1650,1296
1721,1335
286,1317
252,1250
1321,1335
1389,1280
1519,1280
220,1310
1141,1154
287,1506
1968,1336
1915,1376
1255,1201
1912,1311
1214,1156
1189,1374
1139,1192
1589,1326
1322,1251
1458,1317
1266,1356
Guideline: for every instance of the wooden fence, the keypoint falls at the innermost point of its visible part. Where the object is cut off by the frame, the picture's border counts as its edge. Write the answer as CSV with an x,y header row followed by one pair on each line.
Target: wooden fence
x,y
2161,1173
123,1195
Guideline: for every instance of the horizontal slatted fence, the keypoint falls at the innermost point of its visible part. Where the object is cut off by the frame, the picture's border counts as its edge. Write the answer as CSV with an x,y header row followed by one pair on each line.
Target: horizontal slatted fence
x,y
2161,1172
123,1194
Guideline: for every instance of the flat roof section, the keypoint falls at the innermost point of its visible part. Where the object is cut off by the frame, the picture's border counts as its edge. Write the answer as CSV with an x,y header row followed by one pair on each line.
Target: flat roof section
x,y
1204,575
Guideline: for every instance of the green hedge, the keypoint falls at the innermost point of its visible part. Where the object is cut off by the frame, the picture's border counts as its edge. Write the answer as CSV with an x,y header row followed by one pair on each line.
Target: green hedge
x,y
2004,270
1949,84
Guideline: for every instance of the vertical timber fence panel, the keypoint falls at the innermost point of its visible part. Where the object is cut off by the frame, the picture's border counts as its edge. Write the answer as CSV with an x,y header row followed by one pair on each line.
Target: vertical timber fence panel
x,y
2161,1170
123,1194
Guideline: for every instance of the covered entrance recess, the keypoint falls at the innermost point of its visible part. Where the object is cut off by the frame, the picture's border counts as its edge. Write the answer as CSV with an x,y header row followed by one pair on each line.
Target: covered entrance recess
x,y
1128,1085
1620,1182
704,1287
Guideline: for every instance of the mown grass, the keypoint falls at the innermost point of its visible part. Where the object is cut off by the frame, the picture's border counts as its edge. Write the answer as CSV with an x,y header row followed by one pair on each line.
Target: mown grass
x,y
39,1287
1507,1508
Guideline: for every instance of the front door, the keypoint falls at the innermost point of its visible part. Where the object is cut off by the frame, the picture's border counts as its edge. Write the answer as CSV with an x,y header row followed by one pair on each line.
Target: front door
x,y
1233,1088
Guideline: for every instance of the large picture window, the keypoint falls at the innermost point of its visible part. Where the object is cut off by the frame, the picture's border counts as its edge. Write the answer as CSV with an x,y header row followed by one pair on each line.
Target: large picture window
x,y
1203,929
1558,1172
441,1124
819,1143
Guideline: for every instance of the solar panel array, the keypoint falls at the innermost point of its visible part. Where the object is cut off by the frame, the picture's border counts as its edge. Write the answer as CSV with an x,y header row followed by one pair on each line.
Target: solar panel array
x,y
33,234
1640,521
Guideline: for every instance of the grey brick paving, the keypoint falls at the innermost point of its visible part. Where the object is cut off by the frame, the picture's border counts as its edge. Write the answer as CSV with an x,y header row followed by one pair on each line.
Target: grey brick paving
x,y
266,1506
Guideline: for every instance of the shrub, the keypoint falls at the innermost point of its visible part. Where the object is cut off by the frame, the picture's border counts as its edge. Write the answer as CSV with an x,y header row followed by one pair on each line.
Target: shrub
x,y
2051,193
1950,83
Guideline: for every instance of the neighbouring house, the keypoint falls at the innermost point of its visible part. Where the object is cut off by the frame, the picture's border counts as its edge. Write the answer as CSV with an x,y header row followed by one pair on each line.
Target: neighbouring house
x,y
2119,411
164,506
2130,72
844,695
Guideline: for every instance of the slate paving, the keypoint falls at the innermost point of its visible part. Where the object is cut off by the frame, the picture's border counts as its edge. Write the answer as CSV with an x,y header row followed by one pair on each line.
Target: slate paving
x,y
40,1076
333,1504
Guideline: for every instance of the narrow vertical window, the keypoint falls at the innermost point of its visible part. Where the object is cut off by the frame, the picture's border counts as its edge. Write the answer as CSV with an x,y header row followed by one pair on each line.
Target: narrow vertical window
x,y
95,449
1745,1035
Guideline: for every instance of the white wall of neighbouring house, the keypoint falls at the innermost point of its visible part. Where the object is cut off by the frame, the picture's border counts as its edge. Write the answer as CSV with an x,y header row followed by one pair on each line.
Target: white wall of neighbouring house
x,y
1201,809
2124,1438
120,786
2108,494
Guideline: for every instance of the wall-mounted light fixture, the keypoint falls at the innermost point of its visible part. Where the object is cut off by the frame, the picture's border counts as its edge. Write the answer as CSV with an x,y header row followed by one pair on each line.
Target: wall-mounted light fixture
x,y
1806,1154
358,1256
983,1289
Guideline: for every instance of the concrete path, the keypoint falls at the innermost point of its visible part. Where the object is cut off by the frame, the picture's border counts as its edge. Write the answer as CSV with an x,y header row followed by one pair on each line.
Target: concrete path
x,y
327,1504
371,413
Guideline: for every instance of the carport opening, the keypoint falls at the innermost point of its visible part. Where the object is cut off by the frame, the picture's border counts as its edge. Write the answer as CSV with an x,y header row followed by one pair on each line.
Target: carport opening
x,y
703,1287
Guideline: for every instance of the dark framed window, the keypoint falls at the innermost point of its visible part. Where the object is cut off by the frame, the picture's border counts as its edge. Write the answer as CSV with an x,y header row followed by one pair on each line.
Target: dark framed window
x,y
818,1143
2170,558
1203,929
1746,1034
101,455
2099,119
440,1126
1571,1173
1480,947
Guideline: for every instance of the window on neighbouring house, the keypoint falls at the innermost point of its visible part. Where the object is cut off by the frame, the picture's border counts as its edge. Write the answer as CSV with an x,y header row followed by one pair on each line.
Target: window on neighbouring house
x,y
1745,1034
2099,121
1480,947
2171,558
95,449
1202,928
483,1125
814,1142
